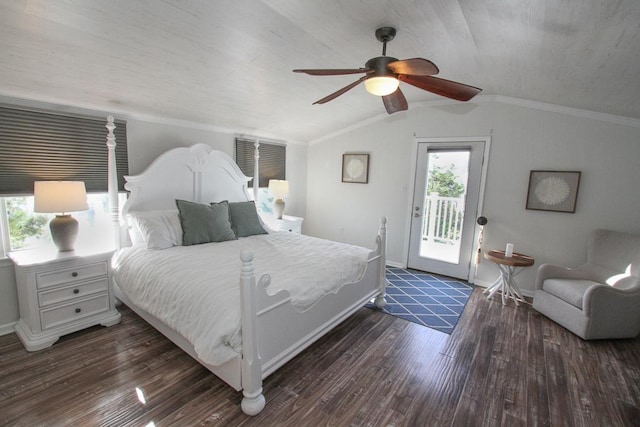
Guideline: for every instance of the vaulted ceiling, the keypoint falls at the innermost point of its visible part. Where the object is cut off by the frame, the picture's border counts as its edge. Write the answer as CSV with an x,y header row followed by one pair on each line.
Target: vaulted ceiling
x,y
229,63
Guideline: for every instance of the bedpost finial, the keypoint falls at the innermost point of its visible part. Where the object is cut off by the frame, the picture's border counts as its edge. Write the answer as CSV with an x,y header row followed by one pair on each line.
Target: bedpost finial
x,y
383,220
111,139
246,255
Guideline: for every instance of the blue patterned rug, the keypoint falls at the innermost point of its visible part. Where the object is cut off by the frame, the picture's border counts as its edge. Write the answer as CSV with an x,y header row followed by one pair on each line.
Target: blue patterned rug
x,y
424,298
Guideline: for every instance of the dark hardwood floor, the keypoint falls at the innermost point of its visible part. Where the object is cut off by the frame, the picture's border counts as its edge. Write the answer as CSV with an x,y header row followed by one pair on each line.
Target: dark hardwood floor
x,y
502,366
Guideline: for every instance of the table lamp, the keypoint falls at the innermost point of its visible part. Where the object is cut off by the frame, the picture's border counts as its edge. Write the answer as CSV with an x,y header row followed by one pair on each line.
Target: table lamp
x,y
60,197
278,189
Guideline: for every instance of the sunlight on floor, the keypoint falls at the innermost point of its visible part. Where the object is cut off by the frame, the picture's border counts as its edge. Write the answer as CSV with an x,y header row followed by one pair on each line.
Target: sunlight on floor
x,y
140,395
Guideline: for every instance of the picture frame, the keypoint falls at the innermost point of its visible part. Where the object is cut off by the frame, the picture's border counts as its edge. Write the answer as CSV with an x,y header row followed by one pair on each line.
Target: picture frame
x,y
355,168
555,191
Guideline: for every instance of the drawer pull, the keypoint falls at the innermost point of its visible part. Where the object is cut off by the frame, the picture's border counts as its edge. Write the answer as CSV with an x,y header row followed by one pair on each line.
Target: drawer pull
x,y
78,310
74,274
76,291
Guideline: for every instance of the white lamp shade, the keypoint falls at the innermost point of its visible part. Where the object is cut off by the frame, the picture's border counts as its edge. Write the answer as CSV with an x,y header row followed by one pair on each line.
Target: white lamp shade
x,y
278,188
59,196
381,86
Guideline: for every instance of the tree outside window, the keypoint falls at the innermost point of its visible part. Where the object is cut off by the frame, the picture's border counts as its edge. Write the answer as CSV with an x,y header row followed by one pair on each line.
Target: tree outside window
x,y
29,230
444,182
24,224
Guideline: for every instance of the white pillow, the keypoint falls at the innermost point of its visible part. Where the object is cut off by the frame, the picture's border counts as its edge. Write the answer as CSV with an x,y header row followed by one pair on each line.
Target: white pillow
x,y
158,229
135,236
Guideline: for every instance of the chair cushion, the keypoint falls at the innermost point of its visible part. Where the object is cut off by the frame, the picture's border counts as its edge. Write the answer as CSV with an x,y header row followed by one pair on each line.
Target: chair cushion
x,y
568,290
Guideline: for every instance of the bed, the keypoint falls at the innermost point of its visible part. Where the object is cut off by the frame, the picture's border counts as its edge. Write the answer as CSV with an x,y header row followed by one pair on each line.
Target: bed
x,y
271,323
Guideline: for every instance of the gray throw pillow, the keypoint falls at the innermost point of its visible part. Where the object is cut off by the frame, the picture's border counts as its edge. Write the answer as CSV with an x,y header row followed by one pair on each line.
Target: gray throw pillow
x,y
204,223
244,219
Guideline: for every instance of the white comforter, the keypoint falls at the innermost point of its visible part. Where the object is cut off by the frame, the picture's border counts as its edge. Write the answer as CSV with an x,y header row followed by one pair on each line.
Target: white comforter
x,y
195,289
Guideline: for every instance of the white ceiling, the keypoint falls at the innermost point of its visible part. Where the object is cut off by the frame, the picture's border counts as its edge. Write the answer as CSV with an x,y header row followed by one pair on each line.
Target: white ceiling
x,y
229,63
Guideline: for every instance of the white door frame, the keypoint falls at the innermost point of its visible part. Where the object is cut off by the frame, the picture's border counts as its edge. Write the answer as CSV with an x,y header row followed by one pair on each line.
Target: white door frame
x,y
412,185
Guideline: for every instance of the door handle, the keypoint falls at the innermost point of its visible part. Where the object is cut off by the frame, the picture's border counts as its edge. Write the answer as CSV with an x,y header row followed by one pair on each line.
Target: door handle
x,y
416,215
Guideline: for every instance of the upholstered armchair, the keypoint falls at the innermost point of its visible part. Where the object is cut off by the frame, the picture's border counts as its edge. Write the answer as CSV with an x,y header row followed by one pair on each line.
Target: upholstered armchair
x,y
601,298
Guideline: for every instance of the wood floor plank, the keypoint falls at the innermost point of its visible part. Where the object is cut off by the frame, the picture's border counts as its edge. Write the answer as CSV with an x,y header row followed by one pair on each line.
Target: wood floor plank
x,y
561,412
503,365
537,401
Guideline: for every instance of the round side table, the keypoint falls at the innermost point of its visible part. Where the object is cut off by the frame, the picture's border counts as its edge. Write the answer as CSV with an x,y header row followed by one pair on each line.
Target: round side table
x,y
506,283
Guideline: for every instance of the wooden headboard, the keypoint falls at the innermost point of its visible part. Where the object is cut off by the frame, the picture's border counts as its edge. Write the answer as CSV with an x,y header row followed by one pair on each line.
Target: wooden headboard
x,y
198,174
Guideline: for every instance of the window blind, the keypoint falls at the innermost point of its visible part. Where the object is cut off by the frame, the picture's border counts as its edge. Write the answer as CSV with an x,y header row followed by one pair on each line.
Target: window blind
x,y
46,146
272,160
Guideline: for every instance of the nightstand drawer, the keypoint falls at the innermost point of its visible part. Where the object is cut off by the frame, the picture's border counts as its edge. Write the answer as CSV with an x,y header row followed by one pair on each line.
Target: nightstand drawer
x,y
289,223
291,226
81,272
78,291
68,313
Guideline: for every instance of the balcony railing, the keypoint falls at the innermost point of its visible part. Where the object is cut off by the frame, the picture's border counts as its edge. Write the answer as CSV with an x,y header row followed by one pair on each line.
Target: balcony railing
x,y
443,219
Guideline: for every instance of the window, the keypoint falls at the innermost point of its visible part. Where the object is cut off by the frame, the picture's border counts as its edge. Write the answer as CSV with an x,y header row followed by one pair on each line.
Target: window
x,y
26,229
272,165
272,159
39,145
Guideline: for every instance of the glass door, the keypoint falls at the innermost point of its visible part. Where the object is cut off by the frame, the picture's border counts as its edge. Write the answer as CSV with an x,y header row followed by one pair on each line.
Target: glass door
x,y
445,206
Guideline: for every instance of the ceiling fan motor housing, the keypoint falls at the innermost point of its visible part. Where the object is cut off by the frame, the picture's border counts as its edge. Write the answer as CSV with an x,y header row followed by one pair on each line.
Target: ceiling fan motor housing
x,y
380,68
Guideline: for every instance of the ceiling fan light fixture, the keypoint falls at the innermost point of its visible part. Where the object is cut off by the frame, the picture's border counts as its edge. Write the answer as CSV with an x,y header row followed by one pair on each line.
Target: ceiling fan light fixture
x,y
381,86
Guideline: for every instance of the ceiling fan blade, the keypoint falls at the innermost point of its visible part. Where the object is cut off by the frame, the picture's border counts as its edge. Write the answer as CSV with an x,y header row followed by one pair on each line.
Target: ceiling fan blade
x,y
395,102
447,88
341,91
414,67
334,72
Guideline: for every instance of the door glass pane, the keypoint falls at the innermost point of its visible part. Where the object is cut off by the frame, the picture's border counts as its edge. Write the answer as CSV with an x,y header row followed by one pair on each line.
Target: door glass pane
x,y
446,189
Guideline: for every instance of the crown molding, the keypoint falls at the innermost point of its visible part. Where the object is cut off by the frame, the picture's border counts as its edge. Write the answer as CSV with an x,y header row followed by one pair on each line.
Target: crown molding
x,y
123,114
576,112
363,123
485,99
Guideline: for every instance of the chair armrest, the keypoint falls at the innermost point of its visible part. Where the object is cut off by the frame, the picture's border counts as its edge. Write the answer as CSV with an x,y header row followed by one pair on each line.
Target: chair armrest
x,y
548,271
603,299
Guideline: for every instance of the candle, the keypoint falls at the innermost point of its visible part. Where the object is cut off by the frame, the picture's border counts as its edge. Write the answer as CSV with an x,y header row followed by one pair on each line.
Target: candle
x,y
508,252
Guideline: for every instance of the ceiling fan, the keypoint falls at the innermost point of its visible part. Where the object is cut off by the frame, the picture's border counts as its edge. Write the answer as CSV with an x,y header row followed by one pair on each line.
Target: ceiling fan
x,y
383,75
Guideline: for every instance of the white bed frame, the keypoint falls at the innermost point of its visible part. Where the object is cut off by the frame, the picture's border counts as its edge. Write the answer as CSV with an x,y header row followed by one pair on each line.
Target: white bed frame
x,y
273,331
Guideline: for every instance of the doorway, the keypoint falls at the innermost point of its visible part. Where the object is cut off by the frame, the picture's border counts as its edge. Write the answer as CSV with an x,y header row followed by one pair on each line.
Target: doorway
x,y
446,201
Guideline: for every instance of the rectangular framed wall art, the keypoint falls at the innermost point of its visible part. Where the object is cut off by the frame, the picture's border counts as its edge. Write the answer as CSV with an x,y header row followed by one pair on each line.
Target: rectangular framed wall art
x,y
555,191
355,168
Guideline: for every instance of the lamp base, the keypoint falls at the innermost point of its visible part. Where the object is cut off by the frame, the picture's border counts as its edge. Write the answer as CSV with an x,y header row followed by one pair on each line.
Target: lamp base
x,y
278,208
64,231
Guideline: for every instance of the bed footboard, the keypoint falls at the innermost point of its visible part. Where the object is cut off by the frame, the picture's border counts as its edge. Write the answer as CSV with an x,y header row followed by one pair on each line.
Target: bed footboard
x,y
273,331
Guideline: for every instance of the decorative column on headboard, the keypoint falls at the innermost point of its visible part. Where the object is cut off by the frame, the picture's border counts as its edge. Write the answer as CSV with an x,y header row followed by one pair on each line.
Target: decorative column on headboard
x,y
256,171
112,178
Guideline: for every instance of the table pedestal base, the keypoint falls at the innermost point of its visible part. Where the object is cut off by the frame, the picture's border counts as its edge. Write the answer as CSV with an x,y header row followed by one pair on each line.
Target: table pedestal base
x,y
506,285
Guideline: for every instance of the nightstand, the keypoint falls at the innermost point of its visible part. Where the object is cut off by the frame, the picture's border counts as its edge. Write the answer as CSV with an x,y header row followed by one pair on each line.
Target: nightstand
x,y
62,292
287,223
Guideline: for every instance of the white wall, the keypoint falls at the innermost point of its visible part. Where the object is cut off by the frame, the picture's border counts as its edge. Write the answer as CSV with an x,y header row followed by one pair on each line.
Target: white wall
x,y
146,140
523,138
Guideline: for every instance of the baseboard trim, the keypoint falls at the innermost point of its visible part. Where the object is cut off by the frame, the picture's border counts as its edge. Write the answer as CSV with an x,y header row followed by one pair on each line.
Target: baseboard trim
x,y
8,328
395,264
